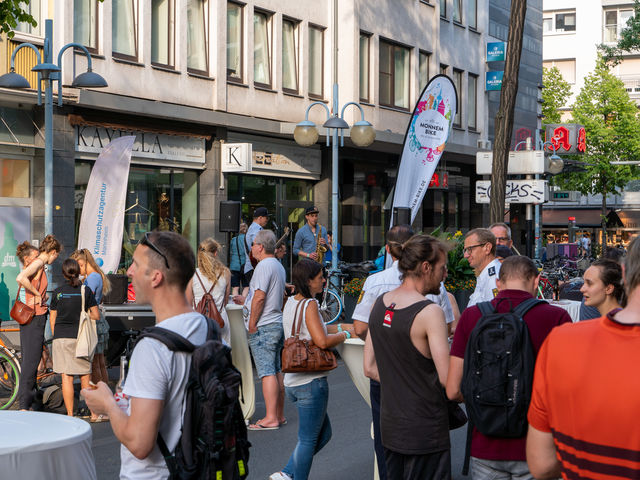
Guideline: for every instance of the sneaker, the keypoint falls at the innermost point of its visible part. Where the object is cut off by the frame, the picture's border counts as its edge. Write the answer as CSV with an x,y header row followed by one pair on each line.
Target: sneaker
x,y
280,476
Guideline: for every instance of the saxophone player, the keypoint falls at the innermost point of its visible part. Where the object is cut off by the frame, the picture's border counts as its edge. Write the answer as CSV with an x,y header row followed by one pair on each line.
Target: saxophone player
x,y
310,236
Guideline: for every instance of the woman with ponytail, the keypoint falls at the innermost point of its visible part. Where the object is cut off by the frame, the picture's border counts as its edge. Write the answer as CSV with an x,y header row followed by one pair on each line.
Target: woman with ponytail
x,y
603,287
214,278
97,281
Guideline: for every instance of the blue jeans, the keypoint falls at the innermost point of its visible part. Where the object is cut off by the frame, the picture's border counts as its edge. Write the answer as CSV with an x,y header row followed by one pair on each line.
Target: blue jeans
x,y
314,428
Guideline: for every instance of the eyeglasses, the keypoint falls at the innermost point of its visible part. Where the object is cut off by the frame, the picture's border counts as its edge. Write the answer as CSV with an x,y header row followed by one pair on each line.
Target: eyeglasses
x,y
470,248
147,241
502,239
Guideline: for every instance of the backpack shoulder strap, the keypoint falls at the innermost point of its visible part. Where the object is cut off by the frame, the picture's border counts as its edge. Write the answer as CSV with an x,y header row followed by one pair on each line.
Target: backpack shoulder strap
x,y
173,341
485,308
527,305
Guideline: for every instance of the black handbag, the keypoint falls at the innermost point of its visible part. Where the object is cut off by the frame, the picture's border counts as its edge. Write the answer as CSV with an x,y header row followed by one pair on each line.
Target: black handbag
x,y
457,417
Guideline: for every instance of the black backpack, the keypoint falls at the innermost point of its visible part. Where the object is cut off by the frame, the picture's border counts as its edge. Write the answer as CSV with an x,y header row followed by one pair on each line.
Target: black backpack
x,y
498,371
214,443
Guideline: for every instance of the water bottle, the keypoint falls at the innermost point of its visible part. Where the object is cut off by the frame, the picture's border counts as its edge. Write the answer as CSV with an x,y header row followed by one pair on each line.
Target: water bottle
x,y
121,399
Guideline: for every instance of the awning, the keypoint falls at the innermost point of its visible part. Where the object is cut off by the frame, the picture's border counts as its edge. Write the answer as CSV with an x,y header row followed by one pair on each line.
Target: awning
x,y
560,217
630,218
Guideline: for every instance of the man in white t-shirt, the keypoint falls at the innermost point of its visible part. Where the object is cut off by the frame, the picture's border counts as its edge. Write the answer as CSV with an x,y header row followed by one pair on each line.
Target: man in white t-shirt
x,y
163,264
262,313
480,252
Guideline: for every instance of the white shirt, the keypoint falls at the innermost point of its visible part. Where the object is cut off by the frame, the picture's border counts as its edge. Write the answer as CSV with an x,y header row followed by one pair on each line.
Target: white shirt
x,y
297,379
218,294
270,277
385,281
157,373
486,288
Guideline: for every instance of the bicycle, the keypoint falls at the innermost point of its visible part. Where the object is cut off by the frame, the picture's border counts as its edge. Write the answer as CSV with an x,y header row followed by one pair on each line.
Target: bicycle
x,y
332,303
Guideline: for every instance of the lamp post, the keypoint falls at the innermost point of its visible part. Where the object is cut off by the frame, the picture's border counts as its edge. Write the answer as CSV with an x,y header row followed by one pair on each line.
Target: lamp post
x,y
362,135
50,72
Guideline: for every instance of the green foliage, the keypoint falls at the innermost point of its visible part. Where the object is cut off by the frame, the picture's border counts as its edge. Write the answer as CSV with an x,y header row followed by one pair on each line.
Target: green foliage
x,y
11,13
555,94
611,122
629,39
460,274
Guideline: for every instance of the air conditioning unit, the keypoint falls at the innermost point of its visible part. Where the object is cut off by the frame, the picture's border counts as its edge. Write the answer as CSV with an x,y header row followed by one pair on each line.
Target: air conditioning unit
x,y
484,145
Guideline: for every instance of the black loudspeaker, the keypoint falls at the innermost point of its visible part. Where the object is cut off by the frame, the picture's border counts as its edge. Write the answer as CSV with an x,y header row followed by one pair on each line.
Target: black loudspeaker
x,y
401,216
118,293
229,216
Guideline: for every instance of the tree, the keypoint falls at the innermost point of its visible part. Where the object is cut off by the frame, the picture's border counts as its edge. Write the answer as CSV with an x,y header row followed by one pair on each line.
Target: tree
x,y
504,118
555,94
12,12
611,122
629,39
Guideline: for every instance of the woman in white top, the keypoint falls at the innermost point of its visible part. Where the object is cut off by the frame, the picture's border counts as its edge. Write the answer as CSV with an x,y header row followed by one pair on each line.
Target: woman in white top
x,y
212,277
309,391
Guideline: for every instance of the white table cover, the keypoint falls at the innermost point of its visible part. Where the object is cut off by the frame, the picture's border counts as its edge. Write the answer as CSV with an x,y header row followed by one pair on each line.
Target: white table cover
x,y
242,358
352,353
45,445
571,306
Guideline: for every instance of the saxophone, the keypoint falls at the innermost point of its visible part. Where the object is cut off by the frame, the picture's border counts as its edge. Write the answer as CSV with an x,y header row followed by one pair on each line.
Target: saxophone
x,y
320,249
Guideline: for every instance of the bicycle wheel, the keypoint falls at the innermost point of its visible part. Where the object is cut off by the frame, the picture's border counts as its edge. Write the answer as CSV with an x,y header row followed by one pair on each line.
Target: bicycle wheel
x,y
331,307
9,378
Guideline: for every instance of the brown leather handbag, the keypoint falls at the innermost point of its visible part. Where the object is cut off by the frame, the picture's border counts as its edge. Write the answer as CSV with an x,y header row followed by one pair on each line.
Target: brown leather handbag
x,y
299,356
21,312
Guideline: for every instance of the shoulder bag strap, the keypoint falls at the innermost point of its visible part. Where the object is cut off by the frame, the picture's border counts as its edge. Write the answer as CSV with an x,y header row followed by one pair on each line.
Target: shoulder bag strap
x,y
295,318
245,243
82,295
303,315
18,292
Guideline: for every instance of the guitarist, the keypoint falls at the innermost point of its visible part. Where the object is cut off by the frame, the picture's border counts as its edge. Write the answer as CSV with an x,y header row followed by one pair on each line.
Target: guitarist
x,y
260,220
307,239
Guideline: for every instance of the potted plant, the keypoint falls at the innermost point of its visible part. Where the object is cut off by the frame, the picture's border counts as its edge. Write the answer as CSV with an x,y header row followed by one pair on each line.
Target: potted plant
x,y
352,290
461,280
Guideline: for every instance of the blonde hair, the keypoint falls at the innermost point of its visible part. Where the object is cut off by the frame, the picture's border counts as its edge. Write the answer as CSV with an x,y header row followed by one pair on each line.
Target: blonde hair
x,y
85,255
208,262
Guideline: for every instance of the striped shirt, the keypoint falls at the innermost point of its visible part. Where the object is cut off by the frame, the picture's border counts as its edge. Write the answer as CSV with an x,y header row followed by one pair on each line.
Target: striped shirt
x,y
586,393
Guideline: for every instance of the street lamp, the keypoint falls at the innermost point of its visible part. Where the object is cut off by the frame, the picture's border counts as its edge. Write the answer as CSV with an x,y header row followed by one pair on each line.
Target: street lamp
x,y
556,164
50,72
362,135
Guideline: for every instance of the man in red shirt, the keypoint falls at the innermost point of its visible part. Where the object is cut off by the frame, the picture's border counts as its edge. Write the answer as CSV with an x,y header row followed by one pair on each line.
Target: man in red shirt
x,y
497,457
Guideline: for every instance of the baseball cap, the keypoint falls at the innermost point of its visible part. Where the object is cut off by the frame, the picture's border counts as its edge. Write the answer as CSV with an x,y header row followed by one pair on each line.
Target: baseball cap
x,y
260,212
309,210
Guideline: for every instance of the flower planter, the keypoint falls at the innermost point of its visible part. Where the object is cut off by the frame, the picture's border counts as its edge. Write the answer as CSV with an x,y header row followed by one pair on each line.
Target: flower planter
x,y
462,297
350,303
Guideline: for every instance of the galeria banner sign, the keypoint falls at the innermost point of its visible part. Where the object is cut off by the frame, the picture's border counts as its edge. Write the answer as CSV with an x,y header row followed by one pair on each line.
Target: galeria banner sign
x,y
102,220
424,142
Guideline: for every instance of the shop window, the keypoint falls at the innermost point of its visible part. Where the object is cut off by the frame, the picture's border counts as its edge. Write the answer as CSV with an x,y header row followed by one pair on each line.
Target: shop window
x,y
316,56
85,23
234,42
157,199
365,45
262,48
289,56
15,178
394,75
198,36
162,32
472,13
457,11
33,8
124,25
16,126
457,81
472,102
423,70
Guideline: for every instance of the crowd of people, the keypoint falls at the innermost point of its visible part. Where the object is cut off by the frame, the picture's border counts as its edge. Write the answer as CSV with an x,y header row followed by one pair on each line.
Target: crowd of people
x,y
415,352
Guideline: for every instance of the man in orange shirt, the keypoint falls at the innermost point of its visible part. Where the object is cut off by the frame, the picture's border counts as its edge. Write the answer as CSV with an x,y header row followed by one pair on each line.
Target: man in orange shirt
x,y
586,394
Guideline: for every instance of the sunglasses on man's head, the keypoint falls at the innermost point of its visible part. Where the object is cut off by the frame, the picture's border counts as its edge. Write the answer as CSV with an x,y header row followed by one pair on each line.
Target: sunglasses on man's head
x,y
146,240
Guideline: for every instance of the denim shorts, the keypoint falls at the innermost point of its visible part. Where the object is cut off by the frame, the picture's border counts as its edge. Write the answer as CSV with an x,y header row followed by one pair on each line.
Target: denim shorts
x,y
266,347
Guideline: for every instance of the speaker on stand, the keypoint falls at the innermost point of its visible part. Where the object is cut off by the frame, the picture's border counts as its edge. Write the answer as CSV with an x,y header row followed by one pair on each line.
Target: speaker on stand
x,y
230,215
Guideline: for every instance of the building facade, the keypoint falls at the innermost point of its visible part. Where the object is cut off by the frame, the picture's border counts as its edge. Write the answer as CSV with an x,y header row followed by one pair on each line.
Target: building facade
x,y
195,79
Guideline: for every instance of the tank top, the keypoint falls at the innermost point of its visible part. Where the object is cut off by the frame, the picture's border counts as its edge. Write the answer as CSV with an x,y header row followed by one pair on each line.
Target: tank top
x,y
413,413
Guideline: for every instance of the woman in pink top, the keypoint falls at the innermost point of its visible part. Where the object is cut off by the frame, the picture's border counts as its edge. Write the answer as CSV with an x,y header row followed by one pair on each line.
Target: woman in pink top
x,y
34,281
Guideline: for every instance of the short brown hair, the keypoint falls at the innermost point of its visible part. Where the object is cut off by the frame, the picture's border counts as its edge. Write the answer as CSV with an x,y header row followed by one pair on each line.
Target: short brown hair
x,y
484,236
517,266
179,254
396,237
50,244
418,249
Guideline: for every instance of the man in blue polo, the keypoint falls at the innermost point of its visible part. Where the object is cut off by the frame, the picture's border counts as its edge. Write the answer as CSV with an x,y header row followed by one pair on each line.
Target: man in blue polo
x,y
260,220
307,239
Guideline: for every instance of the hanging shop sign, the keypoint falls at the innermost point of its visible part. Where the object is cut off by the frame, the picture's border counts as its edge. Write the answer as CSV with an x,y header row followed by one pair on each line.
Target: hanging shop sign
x,y
236,157
156,146
566,138
496,51
493,80
280,159
517,191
